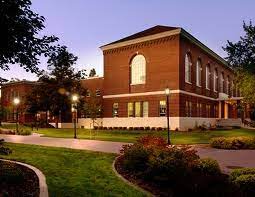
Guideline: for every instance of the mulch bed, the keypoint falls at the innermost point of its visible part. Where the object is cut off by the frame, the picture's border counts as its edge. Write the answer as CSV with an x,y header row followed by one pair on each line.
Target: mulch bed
x,y
148,186
28,187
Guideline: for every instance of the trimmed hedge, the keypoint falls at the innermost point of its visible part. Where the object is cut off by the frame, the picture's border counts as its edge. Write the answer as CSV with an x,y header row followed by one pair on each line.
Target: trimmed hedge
x,y
244,179
233,143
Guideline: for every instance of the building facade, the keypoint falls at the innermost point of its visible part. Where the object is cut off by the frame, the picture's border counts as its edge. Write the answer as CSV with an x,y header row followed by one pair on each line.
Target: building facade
x,y
138,68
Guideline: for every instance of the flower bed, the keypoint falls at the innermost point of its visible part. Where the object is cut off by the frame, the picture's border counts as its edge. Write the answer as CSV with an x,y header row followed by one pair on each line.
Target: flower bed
x,y
16,179
173,171
233,143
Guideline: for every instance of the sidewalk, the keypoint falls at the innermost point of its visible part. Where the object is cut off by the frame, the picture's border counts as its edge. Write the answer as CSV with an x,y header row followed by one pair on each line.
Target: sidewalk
x,y
228,159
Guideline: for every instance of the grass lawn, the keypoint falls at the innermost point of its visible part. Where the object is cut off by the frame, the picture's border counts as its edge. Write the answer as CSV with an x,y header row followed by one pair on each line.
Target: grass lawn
x,y
72,172
193,137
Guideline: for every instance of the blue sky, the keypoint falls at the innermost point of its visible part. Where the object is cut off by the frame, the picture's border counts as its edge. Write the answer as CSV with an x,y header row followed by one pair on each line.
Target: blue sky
x,y
84,25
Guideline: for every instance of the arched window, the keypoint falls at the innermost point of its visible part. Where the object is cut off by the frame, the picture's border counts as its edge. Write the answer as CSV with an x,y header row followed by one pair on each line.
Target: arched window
x,y
215,80
199,72
208,77
188,68
138,66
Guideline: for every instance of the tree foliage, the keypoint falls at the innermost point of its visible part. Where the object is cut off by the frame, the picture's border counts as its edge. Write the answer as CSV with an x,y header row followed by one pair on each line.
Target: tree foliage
x,y
92,73
241,57
20,42
54,89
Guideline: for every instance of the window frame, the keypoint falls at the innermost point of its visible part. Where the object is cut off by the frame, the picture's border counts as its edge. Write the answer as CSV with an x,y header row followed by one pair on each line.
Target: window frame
x,y
208,77
199,73
135,74
188,67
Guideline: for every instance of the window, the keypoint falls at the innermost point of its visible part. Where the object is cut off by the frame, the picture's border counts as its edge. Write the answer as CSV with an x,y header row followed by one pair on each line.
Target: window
x,y
162,108
98,92
227,85
199,72
222,82
145,109
188,109
208,77
199,110
138,65
137,109
188,65
215,80
216,111
115,110
130,109
208,111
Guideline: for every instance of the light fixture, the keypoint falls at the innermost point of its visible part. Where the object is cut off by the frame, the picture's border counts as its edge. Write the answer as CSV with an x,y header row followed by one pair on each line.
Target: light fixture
x,y
75,98
167,91
16,101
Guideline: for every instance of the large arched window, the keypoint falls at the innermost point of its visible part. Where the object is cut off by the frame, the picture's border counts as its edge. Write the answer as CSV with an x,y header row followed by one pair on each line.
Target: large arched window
x,y
199,72
215,80
188,68
138,72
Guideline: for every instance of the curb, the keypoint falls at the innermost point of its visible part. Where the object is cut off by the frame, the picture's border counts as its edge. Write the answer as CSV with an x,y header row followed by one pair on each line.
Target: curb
x,y
42,180
147,193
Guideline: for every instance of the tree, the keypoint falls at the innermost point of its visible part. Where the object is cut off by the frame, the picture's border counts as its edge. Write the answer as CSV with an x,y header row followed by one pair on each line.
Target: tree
x,y
2,108
92,73
20,42
241,57
54,89
92,107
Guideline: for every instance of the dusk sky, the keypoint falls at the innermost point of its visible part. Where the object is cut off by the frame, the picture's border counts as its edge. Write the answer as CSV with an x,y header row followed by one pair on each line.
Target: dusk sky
x,y
83,26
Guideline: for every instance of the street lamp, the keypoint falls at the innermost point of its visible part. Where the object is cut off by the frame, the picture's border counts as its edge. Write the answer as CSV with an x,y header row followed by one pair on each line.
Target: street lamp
x,y
167,92
16,102
75,99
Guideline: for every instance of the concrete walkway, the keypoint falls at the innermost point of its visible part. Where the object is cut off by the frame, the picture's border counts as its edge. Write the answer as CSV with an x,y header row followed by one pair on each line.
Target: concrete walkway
x,y
228,159
93,145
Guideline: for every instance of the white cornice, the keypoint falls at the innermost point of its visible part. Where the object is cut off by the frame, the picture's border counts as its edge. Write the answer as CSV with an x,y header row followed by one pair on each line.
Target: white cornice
x,y
143,39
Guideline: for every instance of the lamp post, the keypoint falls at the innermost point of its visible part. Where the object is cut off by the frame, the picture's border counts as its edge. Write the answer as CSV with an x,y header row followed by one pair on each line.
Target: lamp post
x,y
16,102
74,111
167,92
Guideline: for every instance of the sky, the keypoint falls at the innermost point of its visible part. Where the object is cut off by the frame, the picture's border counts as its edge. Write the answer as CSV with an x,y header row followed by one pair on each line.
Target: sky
x,y
85,25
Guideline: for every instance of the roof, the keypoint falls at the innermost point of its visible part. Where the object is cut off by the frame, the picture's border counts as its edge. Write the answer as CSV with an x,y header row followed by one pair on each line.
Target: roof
x,y
148,32
157,32
19,82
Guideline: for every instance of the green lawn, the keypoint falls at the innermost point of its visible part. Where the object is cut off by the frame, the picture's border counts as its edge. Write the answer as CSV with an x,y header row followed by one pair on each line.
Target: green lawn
x,y
193,137
73,173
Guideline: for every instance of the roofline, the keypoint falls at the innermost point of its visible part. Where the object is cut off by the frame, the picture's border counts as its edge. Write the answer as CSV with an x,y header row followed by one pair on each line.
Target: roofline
x,y
90,78
142,39
179,31
19,82
203,46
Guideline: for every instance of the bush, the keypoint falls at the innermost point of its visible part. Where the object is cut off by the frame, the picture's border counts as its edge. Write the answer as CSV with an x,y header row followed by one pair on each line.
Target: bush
x,y
246,183
130,128
147,128
207,166
159,129
243,171
10,174
4,150
24,132
233,143
175,170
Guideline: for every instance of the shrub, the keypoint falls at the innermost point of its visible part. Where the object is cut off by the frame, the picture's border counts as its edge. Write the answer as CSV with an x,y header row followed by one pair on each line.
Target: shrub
x,y
130,128
242,171
246,183
152,141
207,166
233,143
100,127
153,128
4,150
10,174
124,128
7,132
147,128
159,129
105,128
24,132
95,127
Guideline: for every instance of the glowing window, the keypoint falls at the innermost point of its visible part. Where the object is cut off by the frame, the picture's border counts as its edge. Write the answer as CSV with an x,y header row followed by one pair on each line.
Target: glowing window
x,y
199,71
138,66
188,68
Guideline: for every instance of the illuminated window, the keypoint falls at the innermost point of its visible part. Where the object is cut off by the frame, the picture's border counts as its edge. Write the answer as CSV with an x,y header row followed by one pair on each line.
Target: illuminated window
x,y
208,77
208,111
138,66
188,65
115,110
162,108
145,109
88,93
215,80
130,109
199,110
199,72
137,109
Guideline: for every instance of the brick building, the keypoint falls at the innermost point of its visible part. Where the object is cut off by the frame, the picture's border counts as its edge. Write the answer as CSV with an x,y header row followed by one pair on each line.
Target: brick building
x,y
12,90
138,68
